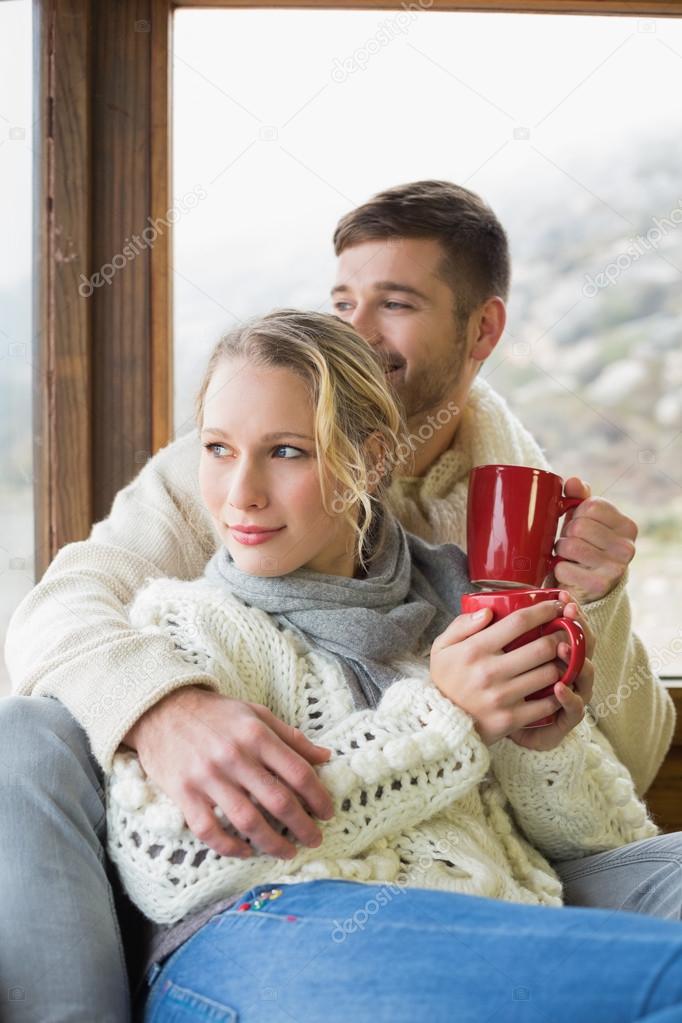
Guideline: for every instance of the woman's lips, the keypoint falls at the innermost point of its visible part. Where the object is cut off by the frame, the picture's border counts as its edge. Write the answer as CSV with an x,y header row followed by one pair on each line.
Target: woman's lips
x,y
251,539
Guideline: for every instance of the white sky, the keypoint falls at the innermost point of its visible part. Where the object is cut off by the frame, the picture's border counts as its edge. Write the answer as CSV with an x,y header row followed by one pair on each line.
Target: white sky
x,y
443,98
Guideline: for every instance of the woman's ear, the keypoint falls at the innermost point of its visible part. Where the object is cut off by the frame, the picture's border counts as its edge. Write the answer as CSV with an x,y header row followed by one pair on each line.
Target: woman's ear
x,y
375,450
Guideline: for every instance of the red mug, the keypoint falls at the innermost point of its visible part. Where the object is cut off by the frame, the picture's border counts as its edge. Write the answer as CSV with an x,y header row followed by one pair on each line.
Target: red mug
x,y
512,518
503,603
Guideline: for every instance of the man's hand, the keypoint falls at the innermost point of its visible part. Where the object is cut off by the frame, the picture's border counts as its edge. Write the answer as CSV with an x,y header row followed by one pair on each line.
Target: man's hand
x,y
205,750
598,543
573,701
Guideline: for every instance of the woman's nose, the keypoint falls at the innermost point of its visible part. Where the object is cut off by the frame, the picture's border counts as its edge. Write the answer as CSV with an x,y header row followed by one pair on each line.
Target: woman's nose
x,y
247,488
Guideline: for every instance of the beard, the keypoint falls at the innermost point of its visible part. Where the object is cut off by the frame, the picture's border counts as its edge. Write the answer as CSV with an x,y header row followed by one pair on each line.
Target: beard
x,y
425,388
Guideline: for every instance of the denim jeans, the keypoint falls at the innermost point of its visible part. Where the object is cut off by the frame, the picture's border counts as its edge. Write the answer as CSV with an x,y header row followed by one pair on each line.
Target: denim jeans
x,y
331,951
61,953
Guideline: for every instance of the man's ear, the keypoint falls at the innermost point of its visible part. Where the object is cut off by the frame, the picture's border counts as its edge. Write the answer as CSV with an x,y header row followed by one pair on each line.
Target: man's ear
x,y
487,325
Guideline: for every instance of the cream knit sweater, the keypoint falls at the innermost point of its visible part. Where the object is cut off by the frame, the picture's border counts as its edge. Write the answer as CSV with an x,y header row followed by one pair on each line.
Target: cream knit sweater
x,y
419,800
70,637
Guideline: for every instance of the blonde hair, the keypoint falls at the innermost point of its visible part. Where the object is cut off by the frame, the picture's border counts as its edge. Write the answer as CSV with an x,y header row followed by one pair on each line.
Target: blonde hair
x,y
350,398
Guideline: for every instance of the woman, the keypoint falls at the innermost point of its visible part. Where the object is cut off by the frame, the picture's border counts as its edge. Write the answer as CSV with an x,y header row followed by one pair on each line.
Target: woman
x,y
320,610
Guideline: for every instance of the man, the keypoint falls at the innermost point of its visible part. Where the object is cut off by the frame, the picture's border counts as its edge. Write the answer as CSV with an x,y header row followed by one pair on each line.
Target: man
x,y
423,274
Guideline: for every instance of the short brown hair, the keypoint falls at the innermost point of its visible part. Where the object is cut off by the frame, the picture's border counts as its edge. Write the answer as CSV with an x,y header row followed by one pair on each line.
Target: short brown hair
x,y
476,264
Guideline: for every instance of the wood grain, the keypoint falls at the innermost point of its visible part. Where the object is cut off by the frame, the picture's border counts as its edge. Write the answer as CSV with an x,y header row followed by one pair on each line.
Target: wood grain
x,y
61,351
664,798
627,8
161,277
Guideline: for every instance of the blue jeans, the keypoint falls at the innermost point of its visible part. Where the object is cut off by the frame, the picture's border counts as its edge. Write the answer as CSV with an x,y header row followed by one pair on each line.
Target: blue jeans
x,y
331,951
61,954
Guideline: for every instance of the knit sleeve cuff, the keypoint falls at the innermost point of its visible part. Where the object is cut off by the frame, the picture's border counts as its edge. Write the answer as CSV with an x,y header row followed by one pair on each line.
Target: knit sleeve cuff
x,y
600,613
517,767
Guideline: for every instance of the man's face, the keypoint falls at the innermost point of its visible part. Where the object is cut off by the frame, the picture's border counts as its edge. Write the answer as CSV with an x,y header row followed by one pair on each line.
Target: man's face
x,y
391,291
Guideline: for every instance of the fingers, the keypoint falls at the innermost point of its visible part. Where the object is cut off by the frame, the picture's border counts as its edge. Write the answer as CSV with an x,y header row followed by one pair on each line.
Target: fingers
x,y
573,611
589,543
271,738
531,682
572,708
247,819
530,711
575,487
584,682
598,510
532,655
589,584
202,821
292,736
462,627
517,624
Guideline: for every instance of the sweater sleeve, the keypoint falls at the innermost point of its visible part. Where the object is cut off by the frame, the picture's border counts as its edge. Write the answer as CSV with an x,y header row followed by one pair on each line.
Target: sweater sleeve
x,y
631,706
392,768
574,800
70,637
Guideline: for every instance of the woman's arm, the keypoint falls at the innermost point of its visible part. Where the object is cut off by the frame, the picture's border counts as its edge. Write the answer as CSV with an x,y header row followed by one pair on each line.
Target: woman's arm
x,y
392,768
574,800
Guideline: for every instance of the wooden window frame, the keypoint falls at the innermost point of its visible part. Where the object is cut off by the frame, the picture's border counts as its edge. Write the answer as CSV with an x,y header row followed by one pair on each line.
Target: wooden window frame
x,y
103,394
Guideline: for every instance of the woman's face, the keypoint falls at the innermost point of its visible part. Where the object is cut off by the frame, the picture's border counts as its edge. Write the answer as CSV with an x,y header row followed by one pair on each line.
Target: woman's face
x,y
259,468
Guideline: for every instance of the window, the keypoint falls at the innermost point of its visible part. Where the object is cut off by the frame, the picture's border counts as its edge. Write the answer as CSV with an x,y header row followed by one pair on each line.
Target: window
x,y
16,464
578,156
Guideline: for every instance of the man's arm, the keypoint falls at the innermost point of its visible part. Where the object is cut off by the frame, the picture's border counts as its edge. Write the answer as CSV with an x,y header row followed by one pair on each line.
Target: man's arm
x,y
70,636
631,706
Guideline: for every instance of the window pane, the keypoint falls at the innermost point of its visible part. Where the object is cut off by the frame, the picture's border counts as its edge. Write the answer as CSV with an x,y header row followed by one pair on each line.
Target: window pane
x,y
284,120
16,167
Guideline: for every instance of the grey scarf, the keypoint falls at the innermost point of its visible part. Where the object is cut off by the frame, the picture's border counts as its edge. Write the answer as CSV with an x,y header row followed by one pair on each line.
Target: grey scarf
x,y
410,595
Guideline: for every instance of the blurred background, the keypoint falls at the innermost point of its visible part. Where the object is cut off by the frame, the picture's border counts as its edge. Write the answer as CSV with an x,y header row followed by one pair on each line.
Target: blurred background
x,y
283,120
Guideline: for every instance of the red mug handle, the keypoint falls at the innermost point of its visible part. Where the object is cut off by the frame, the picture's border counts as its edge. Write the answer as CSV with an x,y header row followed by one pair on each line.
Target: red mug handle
x,y
576,638
565,504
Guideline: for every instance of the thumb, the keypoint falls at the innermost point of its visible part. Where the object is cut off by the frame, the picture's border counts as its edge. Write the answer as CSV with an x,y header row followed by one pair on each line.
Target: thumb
x,y
462,627
575,487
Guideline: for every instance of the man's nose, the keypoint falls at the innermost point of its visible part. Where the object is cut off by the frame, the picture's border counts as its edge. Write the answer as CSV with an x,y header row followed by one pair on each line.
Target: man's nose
x,y
364,321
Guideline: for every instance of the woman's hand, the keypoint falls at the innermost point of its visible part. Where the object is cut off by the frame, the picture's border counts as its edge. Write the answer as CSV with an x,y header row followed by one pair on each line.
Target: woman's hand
x,y
206,751
470,666
573,701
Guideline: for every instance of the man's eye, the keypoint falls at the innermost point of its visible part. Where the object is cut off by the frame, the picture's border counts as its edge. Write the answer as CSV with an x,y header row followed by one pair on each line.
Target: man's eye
x,y
397,305
288,447
342,307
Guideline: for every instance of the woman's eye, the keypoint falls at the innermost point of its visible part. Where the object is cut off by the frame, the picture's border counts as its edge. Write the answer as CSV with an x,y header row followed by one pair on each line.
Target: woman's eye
x,y
288,447
212,447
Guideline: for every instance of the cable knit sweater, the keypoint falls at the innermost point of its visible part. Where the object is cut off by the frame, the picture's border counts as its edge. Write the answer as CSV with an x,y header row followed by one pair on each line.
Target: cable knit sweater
x,y
108,674
419,799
